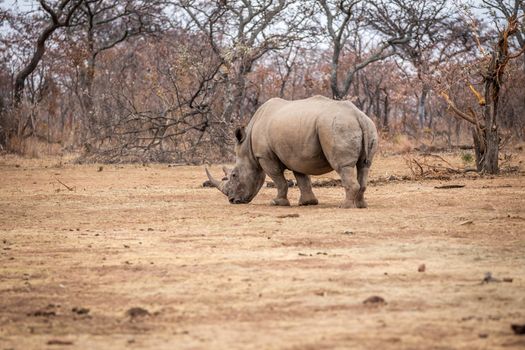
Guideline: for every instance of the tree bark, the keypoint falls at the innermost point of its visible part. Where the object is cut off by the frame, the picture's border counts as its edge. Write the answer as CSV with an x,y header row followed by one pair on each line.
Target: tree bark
x,y
421,107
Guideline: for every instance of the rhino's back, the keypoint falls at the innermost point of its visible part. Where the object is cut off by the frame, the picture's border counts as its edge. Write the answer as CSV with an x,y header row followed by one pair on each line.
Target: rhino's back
x,y
307,135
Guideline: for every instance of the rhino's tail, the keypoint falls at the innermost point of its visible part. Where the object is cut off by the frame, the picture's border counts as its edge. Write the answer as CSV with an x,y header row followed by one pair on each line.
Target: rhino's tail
x,y
369,139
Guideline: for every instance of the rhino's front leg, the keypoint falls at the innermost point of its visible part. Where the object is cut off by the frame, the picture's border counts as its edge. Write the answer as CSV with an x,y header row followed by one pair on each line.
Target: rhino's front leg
x,y
276,173
305,186
351,186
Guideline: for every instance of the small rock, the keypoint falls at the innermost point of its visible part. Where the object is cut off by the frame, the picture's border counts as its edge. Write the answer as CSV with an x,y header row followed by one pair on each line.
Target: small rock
x,y
80,310
483,335
489,279
137,312
518,329
150,229
42,313
100,168
374,300
348,232
207,183
421,268
508,280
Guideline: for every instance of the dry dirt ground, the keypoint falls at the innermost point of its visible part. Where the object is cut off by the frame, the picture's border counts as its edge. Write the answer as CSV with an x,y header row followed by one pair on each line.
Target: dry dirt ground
x,y
144,257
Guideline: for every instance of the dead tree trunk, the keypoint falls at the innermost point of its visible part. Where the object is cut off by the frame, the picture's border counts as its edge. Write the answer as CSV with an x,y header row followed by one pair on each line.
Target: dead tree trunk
x,y
485,134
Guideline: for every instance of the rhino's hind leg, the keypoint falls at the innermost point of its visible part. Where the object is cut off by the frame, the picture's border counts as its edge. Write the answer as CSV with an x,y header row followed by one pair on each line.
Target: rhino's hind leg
x,y
276,173
362,178
305,186
350,185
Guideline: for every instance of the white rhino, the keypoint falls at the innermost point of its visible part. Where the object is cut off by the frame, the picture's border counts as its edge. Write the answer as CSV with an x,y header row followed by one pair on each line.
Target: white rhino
x,y
309,137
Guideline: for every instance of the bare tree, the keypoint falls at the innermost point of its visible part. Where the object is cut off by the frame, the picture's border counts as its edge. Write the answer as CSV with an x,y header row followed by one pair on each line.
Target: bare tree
x,y
105,24
240,33
59,16
437,36
486,127
346,20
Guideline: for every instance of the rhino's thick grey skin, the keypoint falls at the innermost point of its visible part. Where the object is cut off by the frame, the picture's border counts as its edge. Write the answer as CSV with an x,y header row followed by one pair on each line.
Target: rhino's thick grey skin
x,y
309,137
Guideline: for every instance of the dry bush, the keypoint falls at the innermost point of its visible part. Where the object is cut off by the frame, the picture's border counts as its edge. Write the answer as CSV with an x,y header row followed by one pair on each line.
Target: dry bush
x,y
33,147
431,166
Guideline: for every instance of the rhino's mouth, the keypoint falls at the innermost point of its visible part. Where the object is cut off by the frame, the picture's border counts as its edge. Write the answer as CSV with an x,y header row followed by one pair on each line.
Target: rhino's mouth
x,y
238,200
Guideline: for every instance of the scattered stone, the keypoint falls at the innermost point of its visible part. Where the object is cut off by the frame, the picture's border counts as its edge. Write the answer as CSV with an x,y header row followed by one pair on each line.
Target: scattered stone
x,y
483,335
46,312
80,310
468,222
489,279
150,229
348,232
137,312
508,280
421,268
518,329
374,300
207,183
100,168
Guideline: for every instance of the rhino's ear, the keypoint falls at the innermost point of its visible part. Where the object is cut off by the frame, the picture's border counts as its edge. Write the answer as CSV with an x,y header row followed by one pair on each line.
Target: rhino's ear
x,y
240,134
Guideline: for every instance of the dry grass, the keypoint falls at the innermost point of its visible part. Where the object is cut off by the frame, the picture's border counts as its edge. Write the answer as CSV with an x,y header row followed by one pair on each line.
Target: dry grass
x,y
76,266
34,148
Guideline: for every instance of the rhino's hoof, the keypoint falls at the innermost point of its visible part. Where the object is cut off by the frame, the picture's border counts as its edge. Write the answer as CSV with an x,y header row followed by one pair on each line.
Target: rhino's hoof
x,y
312,201
361,204
280,201
347,204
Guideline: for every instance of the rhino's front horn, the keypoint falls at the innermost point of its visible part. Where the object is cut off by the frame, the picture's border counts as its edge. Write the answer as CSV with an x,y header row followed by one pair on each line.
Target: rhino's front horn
x,y
216,183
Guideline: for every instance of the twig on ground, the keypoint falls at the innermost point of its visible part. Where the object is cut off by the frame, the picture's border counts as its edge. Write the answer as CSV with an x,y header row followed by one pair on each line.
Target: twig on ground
x,y
449,186
66,186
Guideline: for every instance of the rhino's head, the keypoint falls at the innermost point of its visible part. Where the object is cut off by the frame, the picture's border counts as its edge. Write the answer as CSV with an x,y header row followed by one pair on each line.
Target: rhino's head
x,y
245,180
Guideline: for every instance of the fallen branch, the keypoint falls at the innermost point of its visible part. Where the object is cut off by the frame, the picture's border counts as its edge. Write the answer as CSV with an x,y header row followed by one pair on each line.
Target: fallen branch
x,y
449,186
63,184
432,166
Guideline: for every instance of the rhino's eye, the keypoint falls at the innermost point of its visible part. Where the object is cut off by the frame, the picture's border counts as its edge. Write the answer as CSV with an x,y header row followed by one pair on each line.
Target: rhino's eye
x,y
234,175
